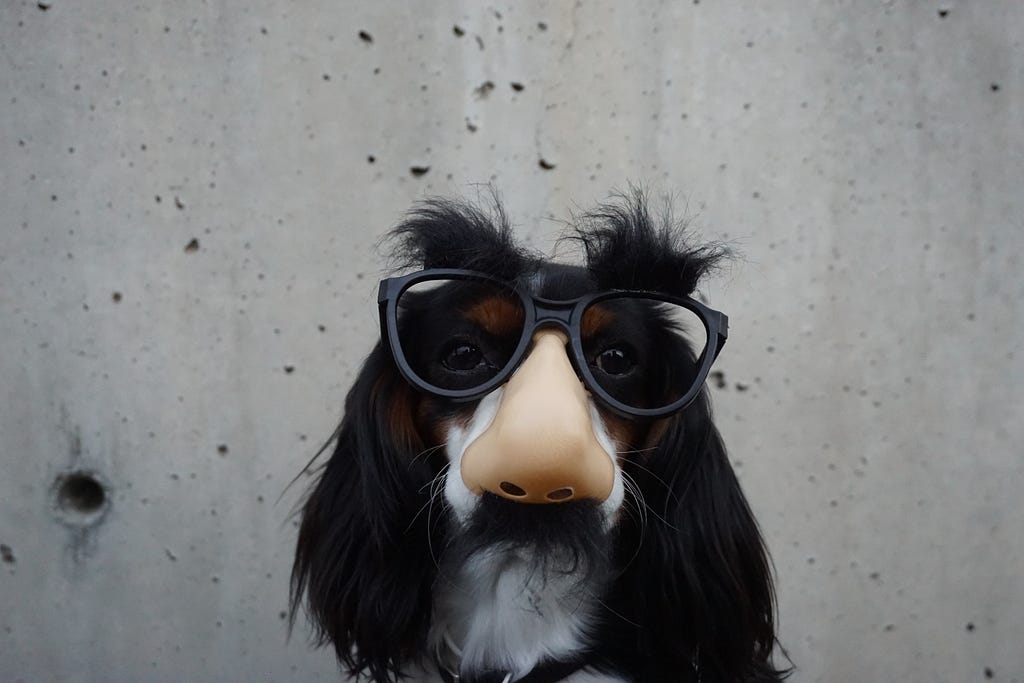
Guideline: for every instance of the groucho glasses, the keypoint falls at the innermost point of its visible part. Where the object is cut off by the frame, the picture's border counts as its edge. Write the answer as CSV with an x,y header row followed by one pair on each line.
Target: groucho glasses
x,y
459,334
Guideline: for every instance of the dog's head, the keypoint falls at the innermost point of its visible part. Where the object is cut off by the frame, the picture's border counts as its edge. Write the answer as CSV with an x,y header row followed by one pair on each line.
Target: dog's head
x,y
547,422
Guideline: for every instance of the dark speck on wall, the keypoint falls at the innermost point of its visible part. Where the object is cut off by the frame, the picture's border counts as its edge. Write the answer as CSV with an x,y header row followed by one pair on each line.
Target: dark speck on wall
x,y
365,37
517,86
545,164
6,554
484,89
44,5
222,449
192,246
458,30
418,171
116,297
541,26
289,369
943,13
994,87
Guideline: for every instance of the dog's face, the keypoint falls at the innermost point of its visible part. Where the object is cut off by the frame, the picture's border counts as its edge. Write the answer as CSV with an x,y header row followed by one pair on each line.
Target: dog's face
x,y
527,471
539,437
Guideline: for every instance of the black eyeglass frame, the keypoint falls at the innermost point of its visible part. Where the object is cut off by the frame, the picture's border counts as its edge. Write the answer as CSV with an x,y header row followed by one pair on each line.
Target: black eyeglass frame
x,y
541,312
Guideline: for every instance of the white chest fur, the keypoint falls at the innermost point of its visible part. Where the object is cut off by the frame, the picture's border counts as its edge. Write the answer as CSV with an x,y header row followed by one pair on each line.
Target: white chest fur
x,y
498,614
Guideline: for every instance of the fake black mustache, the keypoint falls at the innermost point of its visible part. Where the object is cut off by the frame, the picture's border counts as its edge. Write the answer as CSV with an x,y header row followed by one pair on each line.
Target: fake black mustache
x,y
559,539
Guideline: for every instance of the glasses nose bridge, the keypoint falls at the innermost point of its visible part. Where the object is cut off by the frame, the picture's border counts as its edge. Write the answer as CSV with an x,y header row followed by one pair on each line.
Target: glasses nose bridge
x,y
557,314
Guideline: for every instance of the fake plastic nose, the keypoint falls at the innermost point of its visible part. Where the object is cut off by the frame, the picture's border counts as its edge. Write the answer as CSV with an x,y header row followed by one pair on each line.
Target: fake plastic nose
x,y
541,446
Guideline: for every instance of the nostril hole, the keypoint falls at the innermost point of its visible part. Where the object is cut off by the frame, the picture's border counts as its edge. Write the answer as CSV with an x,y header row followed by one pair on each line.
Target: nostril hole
x,y
561,494
511,489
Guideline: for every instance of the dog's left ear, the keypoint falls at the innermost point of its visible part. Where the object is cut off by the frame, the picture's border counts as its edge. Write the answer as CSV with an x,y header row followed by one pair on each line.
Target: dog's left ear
x,y
362,564
697,579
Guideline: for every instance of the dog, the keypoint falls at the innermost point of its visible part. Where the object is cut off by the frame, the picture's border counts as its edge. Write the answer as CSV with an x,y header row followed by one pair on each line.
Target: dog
x,y
527,484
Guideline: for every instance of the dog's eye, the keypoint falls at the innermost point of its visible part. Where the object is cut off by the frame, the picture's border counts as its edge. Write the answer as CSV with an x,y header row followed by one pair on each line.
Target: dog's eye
x,y
461,356
615,361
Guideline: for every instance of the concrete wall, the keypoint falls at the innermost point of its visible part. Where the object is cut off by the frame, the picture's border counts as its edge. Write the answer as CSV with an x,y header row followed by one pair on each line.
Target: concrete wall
x,y
189,197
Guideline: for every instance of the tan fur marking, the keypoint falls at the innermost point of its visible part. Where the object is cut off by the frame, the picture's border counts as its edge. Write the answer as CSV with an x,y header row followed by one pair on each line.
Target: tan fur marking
x,y
595,319
497,315
401,407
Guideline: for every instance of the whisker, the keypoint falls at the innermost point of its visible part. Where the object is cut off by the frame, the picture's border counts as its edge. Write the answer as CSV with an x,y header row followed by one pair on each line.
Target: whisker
x,y
429,485
653,474
436,492
638,500
605,605
637,450
648,507
427,452
635,496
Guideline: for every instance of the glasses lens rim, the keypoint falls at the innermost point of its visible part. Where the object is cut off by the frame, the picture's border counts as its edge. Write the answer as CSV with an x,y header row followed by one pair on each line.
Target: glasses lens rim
x,y
706,358
399,354
715,324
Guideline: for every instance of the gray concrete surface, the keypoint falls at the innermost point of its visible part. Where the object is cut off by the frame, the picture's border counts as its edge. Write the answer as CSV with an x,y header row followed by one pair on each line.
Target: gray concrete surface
x,y
866,157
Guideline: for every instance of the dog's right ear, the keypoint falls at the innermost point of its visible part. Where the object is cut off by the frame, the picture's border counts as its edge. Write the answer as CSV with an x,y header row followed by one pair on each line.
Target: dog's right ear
x,y
363,566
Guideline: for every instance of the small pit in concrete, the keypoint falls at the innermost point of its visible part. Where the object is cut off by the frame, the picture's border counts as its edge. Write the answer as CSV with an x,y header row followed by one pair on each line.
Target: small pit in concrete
x,y
81,497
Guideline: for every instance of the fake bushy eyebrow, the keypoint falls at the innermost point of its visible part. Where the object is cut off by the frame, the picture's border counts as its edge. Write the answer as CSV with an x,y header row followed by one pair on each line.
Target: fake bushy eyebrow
x,y
628,248
441,233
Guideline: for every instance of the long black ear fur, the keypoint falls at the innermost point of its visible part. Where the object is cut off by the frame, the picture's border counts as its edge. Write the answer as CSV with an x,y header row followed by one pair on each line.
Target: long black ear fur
x,y
697,586
361,562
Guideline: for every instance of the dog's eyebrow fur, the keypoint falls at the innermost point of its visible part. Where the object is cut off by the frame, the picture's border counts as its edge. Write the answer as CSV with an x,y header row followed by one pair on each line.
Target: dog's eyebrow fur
x,y
442,233
627,248
497,315
595,319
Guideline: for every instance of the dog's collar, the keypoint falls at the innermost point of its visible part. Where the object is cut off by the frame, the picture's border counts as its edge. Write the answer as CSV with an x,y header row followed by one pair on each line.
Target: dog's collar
x,y
550,671
547,672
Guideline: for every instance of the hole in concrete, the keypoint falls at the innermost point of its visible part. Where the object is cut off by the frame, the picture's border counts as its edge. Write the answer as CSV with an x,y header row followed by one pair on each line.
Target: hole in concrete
x,y
561,494
80,493
511,489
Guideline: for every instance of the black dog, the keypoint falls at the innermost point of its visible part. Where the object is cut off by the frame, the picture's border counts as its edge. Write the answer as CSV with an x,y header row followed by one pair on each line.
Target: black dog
x,y
527,484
